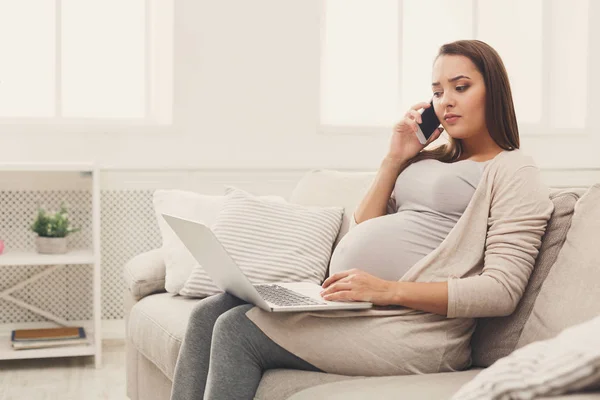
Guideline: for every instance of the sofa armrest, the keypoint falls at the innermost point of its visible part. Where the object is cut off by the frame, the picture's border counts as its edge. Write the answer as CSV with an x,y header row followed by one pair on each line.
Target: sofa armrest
x,y
145,274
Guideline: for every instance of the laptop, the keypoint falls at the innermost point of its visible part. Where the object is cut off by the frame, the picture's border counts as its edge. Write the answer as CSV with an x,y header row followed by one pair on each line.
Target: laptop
x,y
227,275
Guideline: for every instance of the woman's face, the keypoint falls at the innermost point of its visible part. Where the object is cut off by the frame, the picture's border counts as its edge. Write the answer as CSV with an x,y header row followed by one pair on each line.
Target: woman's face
x,y
458,88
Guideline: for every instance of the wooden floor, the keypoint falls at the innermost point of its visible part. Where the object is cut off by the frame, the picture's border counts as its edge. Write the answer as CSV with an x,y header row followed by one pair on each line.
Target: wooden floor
x,y
68,378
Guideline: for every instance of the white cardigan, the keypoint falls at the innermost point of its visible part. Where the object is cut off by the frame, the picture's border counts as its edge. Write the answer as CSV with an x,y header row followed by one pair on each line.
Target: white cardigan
x,y
487,259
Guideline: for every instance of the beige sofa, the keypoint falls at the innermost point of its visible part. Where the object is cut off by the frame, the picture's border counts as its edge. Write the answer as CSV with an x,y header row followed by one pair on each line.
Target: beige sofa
x,y
156,320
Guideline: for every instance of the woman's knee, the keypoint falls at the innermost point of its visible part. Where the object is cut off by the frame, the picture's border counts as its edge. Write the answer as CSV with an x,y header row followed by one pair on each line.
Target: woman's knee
x,y
232,321
211,307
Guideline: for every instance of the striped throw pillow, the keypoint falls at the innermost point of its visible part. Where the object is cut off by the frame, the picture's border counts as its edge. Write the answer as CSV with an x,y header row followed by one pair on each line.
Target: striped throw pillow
x,y
271,241
566,363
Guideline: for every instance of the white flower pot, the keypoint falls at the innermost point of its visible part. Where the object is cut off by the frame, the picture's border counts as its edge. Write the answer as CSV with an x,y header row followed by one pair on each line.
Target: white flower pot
x,y
51,245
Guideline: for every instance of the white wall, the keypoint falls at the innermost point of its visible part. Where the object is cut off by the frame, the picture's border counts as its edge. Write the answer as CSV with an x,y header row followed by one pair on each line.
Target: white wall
x,y
246,96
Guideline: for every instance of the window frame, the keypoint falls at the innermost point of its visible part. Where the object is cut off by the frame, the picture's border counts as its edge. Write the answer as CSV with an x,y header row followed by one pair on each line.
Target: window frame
x,y
536,131
159,59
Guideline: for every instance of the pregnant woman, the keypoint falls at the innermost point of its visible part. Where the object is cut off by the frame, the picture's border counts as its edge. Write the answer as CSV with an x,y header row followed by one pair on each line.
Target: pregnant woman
x,y
442,237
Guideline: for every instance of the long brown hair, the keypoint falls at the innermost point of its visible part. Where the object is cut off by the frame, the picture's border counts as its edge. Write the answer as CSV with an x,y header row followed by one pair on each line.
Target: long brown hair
x,y
500,117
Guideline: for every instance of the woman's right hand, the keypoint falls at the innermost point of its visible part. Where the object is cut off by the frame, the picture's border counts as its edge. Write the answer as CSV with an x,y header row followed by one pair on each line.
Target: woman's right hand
x,y
404,143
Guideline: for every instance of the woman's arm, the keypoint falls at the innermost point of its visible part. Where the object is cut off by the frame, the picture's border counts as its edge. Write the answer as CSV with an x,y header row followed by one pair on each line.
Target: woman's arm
x,y
375,202
519,214
358,285
425,296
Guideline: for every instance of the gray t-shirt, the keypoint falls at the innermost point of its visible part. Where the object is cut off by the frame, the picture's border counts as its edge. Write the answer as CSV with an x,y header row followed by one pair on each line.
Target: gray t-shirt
x,y
428,199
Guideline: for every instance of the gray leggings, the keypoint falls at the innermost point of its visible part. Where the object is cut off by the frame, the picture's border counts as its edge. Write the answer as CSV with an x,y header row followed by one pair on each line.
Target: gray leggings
x,y
223,354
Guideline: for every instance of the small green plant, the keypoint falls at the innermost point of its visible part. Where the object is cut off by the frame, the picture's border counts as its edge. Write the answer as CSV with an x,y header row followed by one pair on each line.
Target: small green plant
x,y
53,224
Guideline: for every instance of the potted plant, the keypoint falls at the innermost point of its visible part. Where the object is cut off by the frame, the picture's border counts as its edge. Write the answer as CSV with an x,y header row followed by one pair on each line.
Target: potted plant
x,y
52,229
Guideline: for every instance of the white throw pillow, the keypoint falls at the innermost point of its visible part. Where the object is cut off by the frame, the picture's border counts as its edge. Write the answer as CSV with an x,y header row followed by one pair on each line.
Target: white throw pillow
x,y
188,205
271,241
566,363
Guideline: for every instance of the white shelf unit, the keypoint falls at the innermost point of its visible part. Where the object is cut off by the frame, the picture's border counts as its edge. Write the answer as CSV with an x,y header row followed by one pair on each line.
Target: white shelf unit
x,y
18,257
53,262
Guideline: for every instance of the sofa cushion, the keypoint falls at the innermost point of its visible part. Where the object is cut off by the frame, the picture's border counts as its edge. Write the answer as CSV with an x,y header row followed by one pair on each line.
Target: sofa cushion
x,y
157,326
282,383
570,293
406,387
333,188
497,337
271,241
187,205
409,387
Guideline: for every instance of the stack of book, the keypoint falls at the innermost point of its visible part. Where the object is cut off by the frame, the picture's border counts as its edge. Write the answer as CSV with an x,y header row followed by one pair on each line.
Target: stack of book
x,y
48,337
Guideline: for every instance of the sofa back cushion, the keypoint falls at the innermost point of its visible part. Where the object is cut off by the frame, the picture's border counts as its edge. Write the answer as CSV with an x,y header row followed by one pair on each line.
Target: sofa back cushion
x,y
188,205
497,337
570,293
333,188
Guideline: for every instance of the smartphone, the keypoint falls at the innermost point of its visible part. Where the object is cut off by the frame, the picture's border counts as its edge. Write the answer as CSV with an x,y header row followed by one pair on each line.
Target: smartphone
x,y
429,125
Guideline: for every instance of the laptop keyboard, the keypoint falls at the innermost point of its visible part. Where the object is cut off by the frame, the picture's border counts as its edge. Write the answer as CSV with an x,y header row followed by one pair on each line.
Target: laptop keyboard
x,y
284,297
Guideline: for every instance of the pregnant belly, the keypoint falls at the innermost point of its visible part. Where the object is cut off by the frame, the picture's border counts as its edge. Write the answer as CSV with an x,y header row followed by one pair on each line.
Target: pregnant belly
x,y
385,247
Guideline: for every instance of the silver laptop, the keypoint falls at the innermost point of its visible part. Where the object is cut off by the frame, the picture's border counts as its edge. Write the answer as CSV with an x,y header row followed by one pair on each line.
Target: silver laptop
x,y
227,275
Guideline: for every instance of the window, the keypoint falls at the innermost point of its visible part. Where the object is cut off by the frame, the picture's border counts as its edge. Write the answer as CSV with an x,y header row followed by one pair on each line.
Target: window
x,y
86,63
377,59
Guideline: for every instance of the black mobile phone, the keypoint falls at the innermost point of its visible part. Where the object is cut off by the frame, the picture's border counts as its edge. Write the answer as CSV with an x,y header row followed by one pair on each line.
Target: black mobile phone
x,y
429,124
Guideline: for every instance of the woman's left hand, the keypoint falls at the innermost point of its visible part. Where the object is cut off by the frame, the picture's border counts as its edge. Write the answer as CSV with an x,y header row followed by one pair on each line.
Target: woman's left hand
x,y
357,285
